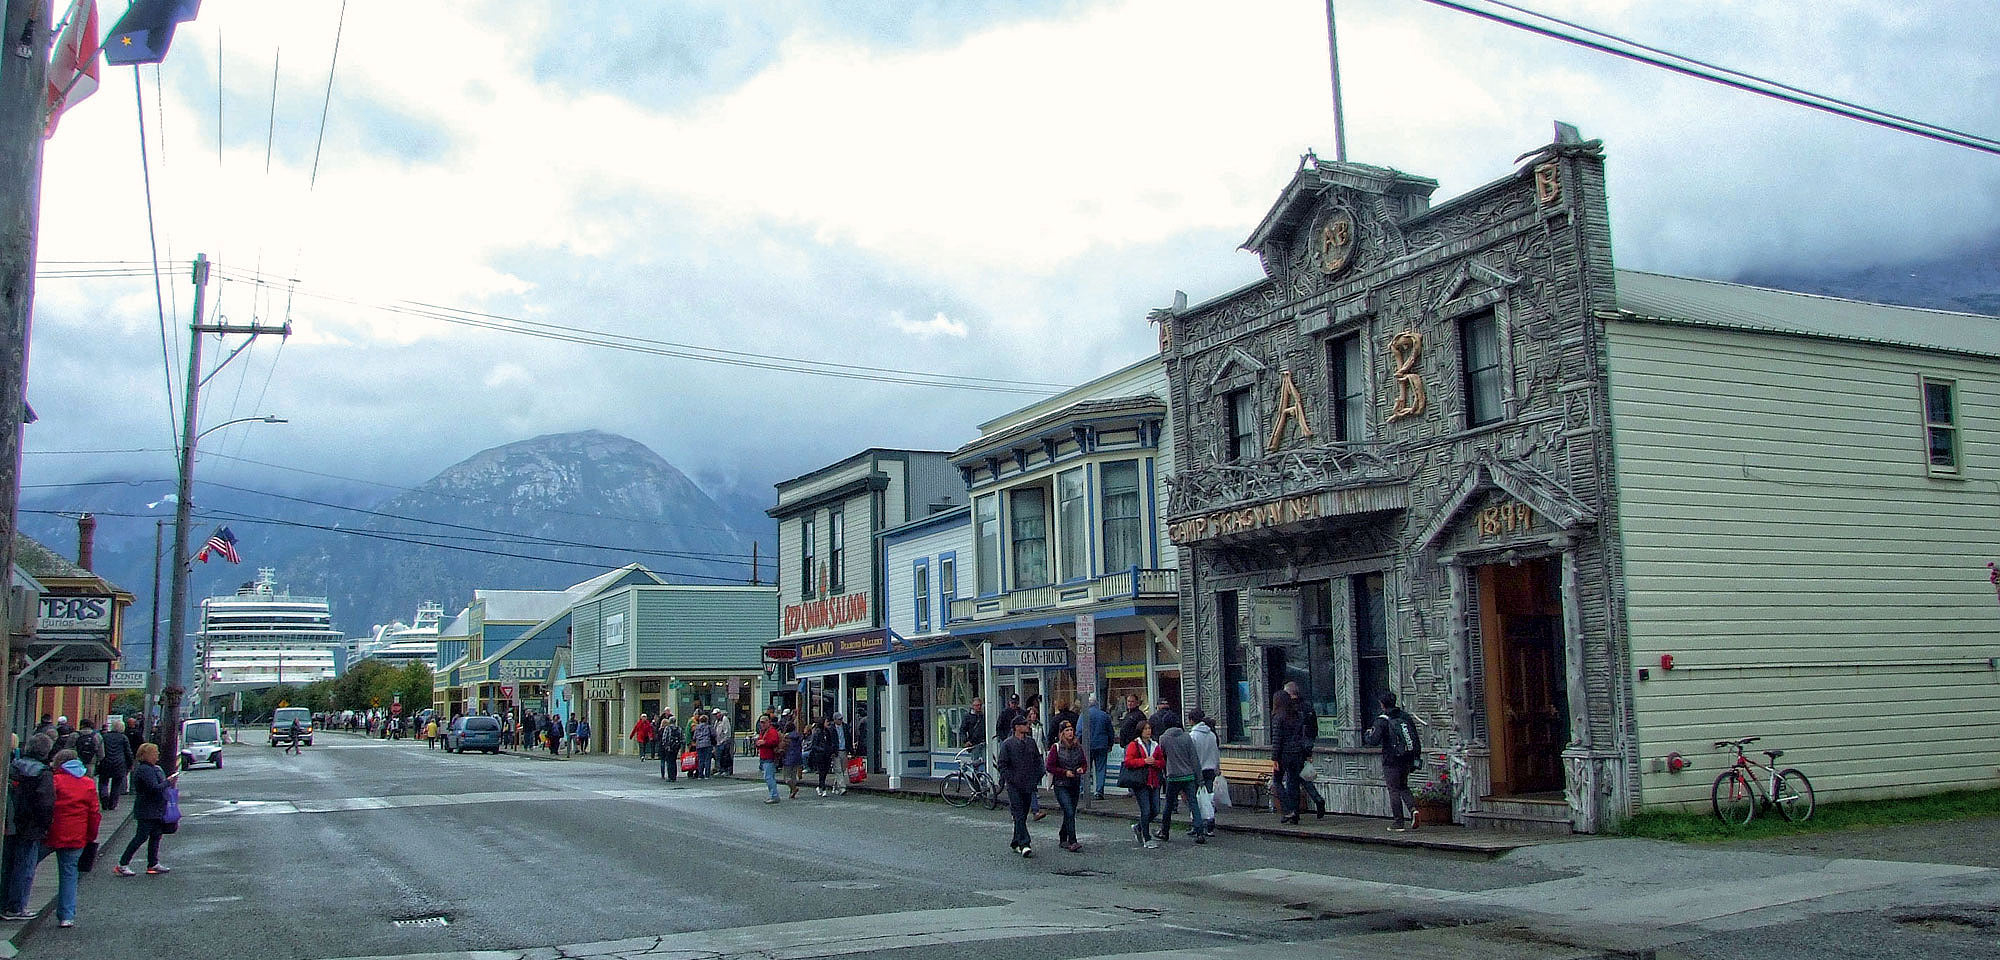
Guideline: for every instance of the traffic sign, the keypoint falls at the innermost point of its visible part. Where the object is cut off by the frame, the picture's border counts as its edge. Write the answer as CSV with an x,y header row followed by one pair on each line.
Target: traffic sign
x,y
395,708
376,702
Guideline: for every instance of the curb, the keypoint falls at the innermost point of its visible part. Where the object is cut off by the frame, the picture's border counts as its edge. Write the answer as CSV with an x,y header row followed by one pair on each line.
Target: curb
x,y
44,898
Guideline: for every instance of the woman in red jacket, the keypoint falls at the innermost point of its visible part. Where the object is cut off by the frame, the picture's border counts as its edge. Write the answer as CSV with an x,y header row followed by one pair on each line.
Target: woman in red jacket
x,y
1144,759
74,827
642,734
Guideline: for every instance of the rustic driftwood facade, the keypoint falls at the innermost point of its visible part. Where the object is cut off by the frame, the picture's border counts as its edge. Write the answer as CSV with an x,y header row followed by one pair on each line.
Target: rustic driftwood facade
x,y
1394,472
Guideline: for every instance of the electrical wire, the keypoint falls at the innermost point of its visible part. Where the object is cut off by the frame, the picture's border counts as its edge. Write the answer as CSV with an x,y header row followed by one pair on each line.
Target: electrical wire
x,y
152,240
1748,83
339,27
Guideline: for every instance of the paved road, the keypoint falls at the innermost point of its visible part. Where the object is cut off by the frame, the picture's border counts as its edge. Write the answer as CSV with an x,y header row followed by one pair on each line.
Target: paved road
x,y
363,849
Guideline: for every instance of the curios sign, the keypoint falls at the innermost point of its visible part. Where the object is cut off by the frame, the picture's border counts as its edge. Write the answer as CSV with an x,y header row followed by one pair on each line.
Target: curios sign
x,y
827,612
74,615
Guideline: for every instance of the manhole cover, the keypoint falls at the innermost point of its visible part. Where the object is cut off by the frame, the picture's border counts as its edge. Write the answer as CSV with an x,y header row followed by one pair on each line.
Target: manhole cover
x,y
851,885
435,920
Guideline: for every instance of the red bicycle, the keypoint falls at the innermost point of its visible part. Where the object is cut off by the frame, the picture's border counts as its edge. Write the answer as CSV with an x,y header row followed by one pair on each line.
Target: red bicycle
x,y
1739,791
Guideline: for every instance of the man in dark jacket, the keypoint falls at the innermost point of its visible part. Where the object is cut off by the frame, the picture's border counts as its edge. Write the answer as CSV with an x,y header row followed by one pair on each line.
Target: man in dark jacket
x,y
1020,765
1396,760
1128,724
116,763
1004,725
31,807
1164,718
1310,722
972,728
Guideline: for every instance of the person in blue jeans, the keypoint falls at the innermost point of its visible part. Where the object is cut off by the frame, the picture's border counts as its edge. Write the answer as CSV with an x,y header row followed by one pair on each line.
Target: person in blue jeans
x,y
29,811
770,745
73,828
1097,727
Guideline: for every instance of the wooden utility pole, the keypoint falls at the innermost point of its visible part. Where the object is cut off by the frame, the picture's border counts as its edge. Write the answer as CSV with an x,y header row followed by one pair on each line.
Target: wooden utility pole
x,y
24,78
175,690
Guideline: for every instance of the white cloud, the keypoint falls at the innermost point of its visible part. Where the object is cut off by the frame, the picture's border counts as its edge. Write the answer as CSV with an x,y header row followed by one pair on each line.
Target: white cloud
x,y
937,326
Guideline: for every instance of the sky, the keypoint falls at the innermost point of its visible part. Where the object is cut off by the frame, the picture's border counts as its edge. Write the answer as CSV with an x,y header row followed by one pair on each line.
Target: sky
x,y
997,190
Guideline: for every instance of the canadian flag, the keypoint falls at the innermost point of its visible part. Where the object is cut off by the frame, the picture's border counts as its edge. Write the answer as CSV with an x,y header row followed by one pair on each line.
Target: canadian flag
x,y
73,66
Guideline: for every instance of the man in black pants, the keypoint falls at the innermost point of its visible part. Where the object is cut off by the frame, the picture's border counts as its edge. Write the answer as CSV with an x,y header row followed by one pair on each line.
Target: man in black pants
x,y
1311,720
1020,765
1395,731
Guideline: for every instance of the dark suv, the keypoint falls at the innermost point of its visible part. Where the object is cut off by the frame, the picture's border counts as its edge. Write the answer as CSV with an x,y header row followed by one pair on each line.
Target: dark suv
x,y
473,733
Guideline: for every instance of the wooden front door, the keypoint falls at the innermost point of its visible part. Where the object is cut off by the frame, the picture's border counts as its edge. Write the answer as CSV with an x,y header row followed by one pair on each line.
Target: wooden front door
x,y
1527,700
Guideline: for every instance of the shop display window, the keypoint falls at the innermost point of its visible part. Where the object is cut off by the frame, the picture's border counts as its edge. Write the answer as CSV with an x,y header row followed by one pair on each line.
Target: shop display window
x,y
953,687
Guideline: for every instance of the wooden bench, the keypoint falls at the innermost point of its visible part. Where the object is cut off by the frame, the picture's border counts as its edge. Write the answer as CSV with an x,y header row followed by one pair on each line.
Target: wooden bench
x,y
1253,772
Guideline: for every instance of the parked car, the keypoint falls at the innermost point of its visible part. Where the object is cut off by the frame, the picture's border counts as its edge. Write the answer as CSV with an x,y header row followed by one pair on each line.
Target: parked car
x,y
473,733
201,742
281,725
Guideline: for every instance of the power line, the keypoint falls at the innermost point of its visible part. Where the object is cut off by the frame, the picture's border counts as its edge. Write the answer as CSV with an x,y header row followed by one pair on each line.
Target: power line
x,y
737,558
152,240
339,27
1735,79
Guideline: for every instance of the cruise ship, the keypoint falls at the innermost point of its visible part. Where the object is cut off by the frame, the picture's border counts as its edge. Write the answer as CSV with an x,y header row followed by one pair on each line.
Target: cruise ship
x,y
262,636
400,643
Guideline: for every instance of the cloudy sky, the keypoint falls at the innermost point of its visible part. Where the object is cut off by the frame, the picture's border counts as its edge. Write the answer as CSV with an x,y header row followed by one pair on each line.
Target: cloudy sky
x,y
993,190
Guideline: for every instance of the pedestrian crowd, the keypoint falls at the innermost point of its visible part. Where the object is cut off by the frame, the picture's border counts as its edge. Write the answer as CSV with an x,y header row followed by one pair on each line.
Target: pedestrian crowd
x,y
58,786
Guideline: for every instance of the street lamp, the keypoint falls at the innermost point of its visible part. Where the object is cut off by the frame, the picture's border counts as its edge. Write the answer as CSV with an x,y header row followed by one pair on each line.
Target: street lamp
x,y
267,418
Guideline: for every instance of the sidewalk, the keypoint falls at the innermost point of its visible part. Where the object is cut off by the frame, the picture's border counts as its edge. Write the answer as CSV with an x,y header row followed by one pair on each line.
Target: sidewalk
x,y
42,899
1336,828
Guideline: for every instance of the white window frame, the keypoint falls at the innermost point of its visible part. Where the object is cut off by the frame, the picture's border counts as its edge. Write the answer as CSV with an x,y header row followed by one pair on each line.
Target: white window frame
x,y
1950,425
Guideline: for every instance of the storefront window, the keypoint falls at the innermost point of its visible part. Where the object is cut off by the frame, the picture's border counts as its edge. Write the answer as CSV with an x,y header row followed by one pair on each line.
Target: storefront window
x,y
1028,527
695,695
1122,542
954,686
911,678
986,534
1371,645
1072,509
1315,671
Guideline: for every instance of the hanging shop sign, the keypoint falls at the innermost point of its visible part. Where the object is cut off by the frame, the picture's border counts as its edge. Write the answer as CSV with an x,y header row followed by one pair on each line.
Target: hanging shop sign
x,y
600,689
1028,657
128,679
866,645
829,612
70,616
74,674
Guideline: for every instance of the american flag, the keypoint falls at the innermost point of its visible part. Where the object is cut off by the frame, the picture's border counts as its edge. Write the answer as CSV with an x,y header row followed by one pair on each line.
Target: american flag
x,y
223,543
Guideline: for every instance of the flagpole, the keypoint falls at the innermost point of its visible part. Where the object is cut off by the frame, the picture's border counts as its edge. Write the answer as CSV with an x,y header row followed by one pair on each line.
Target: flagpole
x,y
1339,114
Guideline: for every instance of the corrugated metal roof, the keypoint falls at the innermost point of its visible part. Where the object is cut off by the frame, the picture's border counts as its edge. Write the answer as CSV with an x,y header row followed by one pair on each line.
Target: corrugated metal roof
x,y
522,606
1764,310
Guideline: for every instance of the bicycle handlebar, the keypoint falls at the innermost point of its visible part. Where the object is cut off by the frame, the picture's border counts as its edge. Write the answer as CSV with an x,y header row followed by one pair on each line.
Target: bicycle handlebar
x,y
1746,741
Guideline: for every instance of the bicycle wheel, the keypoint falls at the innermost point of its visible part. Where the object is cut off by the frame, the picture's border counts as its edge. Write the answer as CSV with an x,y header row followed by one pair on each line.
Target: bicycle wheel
x,y
1734,798
1794,799
992,792
957,789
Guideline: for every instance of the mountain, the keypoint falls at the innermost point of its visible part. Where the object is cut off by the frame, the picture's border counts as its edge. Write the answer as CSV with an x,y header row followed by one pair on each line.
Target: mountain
x,y
539,514
1967,282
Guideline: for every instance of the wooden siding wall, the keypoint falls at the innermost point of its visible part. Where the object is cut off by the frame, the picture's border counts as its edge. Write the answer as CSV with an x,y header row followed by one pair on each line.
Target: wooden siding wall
x,y
899,603
1784,543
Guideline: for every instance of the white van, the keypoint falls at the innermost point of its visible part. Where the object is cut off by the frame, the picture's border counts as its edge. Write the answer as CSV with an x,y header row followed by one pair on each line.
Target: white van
x,y
201,742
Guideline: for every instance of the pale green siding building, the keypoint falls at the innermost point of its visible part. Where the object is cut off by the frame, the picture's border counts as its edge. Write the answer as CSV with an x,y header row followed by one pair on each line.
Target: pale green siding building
x,y
1808,497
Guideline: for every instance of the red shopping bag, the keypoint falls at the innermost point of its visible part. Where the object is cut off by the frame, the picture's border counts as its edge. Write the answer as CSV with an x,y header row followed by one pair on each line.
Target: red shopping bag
x,y
857,770
687,762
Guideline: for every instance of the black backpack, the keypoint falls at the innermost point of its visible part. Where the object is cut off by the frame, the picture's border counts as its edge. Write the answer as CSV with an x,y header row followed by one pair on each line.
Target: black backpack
x,y
1408,741
87,747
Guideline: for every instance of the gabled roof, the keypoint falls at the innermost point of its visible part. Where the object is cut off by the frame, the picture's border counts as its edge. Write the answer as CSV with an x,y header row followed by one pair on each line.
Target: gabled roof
x,y
1737,306
45,565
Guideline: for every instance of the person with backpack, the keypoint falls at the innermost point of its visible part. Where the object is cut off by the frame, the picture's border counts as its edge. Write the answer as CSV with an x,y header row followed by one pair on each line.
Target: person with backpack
x,y
30,809
672,741
704,743
89,746
114,765
1402,752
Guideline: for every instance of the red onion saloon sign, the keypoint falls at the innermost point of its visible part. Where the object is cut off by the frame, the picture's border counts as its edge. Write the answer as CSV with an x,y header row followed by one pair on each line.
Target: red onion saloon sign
x,y
828,612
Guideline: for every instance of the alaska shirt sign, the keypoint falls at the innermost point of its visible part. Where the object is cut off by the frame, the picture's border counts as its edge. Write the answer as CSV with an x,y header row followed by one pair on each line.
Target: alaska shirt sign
x,y
828,612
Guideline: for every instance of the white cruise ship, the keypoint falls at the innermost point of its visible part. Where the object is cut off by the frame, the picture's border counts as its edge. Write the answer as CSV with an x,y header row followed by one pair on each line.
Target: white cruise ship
x,y
261,636
400,643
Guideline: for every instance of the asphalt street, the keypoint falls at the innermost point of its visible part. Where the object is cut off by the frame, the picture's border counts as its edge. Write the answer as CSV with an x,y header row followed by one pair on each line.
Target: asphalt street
x,y
362,848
